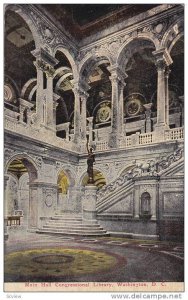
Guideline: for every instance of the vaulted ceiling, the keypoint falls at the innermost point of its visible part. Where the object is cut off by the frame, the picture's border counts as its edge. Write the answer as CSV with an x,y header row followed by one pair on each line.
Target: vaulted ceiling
x,y
82,20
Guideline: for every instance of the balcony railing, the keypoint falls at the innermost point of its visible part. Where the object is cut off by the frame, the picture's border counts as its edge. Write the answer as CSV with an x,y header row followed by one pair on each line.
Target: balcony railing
x,y
174,134
47,135
146,138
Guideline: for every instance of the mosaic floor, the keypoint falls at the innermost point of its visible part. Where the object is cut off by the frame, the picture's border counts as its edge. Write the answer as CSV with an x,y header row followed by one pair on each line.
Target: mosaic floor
x,y
35,258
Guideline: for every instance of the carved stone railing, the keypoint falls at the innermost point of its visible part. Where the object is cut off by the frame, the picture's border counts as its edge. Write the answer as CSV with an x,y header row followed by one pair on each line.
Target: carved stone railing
x,y
174,134
101,145
113,187
141,169
47,135
113,193
42,134
146,138
166,162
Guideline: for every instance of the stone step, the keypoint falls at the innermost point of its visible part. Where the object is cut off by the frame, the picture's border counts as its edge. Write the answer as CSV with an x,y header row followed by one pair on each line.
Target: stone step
x,y
76,230
66,220
73,233
73,228
68,214
57,217
70,224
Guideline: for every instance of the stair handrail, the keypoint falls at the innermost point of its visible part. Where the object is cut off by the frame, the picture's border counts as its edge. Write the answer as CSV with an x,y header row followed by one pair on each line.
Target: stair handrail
x,y
151,168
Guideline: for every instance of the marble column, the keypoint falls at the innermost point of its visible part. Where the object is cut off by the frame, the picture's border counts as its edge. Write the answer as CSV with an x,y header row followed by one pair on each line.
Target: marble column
x,y
33,207
163,60
167,72
45,64
83,124
39,92
136,201
117,116
55,104
49,99
148,117
6,178
121,110
76,115
90,125
181,98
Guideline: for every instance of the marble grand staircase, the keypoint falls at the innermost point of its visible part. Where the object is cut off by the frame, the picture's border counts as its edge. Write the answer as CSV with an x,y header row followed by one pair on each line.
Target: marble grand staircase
x,y
71,224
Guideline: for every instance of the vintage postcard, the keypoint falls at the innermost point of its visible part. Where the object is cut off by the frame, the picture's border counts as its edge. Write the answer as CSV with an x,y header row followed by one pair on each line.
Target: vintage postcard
x,y
94,147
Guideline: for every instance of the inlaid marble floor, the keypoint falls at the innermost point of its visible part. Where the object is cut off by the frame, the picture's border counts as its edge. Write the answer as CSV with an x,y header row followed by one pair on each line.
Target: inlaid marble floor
x,y
35,258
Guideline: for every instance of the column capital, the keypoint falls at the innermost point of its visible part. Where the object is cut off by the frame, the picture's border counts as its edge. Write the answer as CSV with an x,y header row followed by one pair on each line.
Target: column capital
x,y
90,119
50,71
43,55
163,58
148,106
117,74
80,91
40,64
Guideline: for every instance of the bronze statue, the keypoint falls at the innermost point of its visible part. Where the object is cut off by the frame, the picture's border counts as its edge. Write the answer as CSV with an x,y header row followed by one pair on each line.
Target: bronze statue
x,y
90,162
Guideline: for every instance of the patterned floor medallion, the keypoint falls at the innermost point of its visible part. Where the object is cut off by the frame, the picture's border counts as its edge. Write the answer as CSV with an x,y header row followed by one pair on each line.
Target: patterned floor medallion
x,y
52,262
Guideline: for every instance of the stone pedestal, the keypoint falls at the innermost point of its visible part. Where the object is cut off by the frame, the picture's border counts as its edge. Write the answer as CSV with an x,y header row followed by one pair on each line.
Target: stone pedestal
x,y
42,203
89,205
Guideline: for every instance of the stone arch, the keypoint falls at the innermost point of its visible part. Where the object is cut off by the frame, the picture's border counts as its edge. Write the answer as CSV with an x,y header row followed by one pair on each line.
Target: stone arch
x,y
13,83
28,162
177,38
83,178
70,58
32,204
30,97
171,34
91,60
141,36
62,78
21,11
29,88
61,71
69,173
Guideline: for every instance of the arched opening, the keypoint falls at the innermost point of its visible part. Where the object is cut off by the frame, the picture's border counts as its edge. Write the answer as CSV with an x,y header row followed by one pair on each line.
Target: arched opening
x,y
63,84
138,62
145,203
176,85
63,185
19,68
20,196
99,179
96,74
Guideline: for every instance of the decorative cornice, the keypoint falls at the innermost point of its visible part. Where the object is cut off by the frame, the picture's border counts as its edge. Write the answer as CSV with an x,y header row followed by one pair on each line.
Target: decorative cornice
x,y
157,25
141,24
